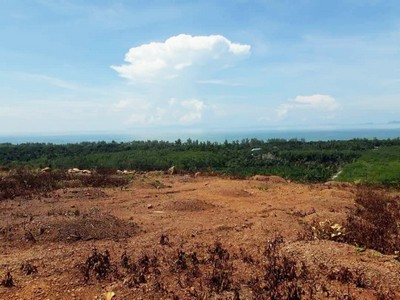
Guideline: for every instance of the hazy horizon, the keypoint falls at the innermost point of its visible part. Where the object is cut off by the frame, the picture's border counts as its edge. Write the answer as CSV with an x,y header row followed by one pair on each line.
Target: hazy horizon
x,y
202,136
133,66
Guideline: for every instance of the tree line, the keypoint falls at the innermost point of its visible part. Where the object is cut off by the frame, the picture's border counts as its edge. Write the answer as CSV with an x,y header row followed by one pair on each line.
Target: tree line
x,y
294,159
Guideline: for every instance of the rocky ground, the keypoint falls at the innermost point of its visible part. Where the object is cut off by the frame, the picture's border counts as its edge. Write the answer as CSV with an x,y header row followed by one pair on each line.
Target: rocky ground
x,y
185,237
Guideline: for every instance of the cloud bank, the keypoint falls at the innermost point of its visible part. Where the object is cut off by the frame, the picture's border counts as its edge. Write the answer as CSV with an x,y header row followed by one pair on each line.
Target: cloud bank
x,y
168,59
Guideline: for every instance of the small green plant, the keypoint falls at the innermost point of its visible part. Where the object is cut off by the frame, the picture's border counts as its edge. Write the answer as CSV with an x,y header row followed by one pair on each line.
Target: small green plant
x,y
360,249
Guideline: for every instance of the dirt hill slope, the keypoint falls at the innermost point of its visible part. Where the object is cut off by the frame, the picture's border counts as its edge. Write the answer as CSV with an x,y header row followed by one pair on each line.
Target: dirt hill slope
x,y
181,237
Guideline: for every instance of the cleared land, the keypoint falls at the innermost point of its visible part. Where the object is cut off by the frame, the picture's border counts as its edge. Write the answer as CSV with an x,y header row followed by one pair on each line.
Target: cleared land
x,y
185,237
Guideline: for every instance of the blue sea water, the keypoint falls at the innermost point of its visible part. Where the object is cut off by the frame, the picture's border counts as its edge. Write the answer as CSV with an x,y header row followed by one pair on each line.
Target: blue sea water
x,y
213,136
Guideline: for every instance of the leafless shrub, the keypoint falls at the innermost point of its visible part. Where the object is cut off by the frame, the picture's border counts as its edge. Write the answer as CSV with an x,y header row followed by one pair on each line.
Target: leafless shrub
x,y
168,273
374,224
164,240
97,265
246,257
385,295
218,255
221,277
8,280
140,270
283,277
28,268
29,236
186,267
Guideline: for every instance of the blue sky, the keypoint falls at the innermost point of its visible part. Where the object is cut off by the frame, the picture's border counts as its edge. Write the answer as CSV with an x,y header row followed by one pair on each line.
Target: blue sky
x,y
196,66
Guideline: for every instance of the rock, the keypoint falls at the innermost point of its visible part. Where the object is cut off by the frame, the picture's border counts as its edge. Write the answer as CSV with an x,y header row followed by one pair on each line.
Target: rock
x,y
45,170
171,171
109,295
197,174
126,172
150,206
73,170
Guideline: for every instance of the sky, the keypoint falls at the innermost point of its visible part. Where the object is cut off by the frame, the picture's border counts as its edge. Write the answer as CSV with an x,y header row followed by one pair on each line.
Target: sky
x,y
69,66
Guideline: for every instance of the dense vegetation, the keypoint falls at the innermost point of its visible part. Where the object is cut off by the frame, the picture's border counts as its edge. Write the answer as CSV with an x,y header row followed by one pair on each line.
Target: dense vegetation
x,y
292,159
375,166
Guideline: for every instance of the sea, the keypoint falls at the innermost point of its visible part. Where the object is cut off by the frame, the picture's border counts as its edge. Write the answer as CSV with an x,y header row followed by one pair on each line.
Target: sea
x,y
212,136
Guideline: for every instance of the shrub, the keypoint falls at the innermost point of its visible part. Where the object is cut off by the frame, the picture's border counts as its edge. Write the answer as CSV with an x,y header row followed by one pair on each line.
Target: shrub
x,y
374,224
8,280
97,264
283,277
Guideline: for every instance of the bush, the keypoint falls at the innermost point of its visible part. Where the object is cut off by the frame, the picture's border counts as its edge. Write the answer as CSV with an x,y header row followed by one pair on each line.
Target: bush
x,y
98,265
283,277
374,224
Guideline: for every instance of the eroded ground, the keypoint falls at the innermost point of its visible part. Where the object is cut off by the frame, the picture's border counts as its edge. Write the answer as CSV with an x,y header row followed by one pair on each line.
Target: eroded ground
x,y
156,216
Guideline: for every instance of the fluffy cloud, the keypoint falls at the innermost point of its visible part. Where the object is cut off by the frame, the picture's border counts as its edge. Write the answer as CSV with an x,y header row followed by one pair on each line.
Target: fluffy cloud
x,y
320,103
324,102
166,60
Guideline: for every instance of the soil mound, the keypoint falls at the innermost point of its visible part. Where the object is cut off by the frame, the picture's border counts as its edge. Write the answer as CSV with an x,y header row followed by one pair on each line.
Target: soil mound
x,y
79,193
337,193
190,205
237,193
91,227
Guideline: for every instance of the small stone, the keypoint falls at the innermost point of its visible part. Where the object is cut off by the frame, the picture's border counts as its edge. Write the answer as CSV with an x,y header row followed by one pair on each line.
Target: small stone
x,y
171,171
149,206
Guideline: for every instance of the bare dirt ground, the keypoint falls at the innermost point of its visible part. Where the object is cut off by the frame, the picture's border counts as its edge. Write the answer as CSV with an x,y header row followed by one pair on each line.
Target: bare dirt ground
x,y
44,243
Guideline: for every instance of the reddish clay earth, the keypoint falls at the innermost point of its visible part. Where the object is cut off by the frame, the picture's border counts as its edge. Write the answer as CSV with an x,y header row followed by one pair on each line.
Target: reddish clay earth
x,y
45,242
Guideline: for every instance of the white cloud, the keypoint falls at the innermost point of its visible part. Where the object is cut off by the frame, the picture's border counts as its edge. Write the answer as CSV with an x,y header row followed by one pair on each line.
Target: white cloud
x,y
317,102
166,60
323,102
194,111
170,112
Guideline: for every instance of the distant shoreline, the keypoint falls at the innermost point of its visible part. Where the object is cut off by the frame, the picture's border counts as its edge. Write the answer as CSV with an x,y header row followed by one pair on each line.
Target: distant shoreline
x,y
214,136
